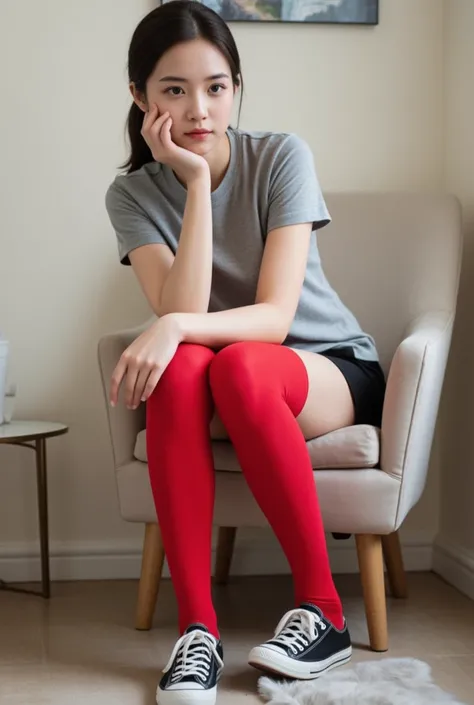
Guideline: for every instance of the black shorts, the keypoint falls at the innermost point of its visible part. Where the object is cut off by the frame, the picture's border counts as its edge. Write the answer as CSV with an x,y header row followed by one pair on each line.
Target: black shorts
x,y
366,382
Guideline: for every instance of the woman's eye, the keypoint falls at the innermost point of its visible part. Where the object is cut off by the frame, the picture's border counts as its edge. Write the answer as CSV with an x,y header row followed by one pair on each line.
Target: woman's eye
x,y
177,90
216,88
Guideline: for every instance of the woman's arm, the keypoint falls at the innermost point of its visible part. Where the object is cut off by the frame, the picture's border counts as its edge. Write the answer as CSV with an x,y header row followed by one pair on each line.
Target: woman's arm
x,y
268,320
279,286
181,283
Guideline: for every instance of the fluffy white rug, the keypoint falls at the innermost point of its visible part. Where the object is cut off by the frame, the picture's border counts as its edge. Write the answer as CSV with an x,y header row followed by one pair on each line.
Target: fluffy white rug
x,y
403,681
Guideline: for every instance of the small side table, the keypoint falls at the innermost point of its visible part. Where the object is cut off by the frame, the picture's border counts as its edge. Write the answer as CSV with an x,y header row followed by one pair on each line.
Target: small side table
x,y
33,434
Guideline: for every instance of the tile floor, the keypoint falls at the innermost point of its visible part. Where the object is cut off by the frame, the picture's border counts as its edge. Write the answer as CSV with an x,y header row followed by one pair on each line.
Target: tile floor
x,y
81,647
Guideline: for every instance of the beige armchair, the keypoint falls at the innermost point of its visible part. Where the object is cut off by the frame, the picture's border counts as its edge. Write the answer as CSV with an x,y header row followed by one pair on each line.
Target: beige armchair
x,y
395,260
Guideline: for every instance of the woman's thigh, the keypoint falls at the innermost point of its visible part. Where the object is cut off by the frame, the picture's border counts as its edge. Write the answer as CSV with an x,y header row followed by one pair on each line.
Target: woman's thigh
x,y
329,403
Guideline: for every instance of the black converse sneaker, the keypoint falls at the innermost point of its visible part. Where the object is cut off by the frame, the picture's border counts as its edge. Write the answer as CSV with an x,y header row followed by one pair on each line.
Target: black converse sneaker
x,y
193,670
305,645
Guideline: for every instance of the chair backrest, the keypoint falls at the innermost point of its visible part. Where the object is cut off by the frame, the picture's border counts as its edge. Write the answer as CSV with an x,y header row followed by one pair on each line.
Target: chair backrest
x,y
392,257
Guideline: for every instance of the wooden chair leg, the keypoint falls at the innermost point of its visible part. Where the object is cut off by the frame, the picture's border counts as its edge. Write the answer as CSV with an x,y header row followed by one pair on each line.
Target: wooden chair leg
x,y
225,549
152,566
369,552
392,553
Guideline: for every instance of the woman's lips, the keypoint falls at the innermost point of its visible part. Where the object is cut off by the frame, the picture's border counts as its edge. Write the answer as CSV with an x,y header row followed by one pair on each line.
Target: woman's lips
x,y
198,135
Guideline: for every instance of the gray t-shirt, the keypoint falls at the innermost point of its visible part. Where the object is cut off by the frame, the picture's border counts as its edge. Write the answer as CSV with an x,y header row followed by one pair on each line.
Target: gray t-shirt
x,y
270,182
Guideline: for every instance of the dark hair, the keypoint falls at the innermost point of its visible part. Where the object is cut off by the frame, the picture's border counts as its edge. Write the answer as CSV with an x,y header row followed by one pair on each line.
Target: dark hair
x,y
167,25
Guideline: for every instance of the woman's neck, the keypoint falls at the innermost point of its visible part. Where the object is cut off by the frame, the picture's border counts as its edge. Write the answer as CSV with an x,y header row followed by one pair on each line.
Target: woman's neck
x,y
219,161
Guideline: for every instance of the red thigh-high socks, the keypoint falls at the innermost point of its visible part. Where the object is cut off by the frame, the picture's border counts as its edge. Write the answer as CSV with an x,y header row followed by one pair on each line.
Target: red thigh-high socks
x,y
182,478
258,389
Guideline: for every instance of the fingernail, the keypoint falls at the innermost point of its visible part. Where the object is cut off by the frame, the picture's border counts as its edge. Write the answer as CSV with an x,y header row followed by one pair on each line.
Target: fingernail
x,y
112,403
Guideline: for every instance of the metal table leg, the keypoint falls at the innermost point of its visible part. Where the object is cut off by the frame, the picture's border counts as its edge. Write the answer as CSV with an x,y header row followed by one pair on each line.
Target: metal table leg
x,y
42,488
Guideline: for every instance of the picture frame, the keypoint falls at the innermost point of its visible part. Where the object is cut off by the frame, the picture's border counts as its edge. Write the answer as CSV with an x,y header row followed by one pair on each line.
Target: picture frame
x,y
362,12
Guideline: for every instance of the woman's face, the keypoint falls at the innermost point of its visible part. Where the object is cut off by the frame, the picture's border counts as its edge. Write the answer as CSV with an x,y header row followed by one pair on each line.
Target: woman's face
x,y
193,82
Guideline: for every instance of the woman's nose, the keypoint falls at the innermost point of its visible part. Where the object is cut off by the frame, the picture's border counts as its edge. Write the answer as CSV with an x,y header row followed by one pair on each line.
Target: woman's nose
x,y
198,109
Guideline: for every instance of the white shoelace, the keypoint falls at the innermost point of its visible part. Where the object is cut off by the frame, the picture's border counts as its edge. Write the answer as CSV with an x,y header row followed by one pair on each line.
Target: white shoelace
x,y
297,629
194,655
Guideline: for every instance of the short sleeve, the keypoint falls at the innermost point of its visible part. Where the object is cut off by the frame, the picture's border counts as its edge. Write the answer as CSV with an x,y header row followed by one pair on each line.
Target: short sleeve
x,y
294,192
132,225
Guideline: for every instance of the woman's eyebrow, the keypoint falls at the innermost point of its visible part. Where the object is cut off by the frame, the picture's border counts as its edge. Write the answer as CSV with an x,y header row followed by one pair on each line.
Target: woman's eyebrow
x,y
215,77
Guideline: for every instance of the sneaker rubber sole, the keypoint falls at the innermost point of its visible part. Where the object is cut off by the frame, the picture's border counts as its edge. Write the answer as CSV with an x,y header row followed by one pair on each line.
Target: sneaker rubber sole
x,y
186,696
264,658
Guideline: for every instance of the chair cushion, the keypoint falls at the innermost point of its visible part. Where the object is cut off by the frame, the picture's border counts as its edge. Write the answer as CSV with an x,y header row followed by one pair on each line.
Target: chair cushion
x,y
350,447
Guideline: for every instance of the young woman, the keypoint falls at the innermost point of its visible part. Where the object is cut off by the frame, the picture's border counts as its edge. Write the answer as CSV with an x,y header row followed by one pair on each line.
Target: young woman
x,y
218,224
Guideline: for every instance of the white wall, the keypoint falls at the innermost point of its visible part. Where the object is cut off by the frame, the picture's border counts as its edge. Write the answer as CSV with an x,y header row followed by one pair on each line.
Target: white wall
x,y
454,555
368,99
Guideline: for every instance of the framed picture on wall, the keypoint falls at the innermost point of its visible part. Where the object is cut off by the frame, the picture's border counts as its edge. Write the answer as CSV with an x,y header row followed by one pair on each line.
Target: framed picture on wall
x,y
308,11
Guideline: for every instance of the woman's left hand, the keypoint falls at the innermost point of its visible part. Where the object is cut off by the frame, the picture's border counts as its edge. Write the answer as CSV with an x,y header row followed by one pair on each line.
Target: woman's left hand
x,y
144,361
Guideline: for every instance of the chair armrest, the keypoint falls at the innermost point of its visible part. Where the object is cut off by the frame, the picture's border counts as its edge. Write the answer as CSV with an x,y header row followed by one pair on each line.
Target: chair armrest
x,y
414,386
124,424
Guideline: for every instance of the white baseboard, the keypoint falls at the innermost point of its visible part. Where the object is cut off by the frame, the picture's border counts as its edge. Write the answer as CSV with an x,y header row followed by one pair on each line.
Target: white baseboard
x,y
121,560
455,564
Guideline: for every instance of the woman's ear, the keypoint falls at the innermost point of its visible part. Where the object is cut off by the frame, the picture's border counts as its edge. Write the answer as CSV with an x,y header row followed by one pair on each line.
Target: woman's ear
x,y
139,98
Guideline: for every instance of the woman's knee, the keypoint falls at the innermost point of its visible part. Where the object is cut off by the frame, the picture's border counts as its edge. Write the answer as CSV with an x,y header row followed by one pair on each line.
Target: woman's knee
x,y
238,370
252,374
189,366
